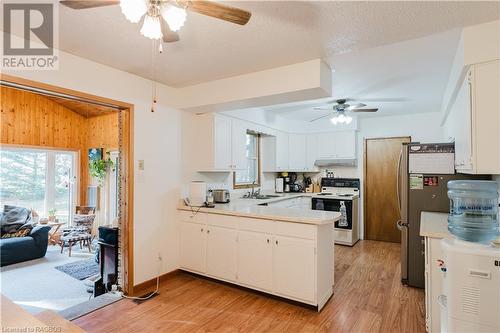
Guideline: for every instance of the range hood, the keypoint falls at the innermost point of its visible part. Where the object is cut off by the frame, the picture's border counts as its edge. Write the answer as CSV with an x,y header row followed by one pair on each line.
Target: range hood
x,y
323,162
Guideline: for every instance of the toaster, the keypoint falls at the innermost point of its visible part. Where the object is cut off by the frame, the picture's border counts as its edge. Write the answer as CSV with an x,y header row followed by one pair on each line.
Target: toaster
x,y
221,196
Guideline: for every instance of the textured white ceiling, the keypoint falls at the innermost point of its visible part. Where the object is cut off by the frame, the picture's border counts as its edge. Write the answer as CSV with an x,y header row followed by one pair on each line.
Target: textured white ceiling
x,y
279,33
399,78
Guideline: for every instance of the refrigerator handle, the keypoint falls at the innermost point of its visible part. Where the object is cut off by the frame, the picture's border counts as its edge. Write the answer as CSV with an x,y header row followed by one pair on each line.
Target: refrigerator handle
x,y
398,178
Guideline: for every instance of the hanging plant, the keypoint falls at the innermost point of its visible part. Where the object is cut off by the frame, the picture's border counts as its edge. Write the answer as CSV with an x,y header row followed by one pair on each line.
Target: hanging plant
x,y
99,167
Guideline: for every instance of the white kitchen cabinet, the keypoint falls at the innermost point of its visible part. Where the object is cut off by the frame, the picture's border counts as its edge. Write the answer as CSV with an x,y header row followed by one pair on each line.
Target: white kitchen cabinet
x,y
277,257
297,152
293,267
216,143
345,144
255,258
238,144
340,144
282,152
327,145
474,120
311,152
193,239
222,142
221,252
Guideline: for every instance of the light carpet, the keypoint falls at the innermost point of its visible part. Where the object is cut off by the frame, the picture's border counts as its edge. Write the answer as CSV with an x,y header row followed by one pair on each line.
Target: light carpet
x,y
36,285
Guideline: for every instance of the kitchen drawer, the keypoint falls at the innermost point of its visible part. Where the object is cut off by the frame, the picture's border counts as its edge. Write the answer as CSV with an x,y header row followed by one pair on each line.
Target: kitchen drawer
x,y
257,225
226,221
342,235
297,230
188,216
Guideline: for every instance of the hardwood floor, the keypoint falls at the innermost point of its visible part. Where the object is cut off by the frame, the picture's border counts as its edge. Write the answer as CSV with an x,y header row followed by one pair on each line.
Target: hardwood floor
x,y
368,297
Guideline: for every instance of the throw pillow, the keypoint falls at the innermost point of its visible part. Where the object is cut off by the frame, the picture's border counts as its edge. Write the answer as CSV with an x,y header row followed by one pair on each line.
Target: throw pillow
x,y
85,221
14,218
19,233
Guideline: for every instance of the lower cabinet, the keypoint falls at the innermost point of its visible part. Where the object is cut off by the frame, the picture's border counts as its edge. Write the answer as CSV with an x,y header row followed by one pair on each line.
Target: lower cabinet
x,y
193,242
277,257
294,267
255,258
221,247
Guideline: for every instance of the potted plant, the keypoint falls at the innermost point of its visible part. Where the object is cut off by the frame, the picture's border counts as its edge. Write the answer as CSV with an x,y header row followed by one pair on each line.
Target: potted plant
x,y
52,214
99,167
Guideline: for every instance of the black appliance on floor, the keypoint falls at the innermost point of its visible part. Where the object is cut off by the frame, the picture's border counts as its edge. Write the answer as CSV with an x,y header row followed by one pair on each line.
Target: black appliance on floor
x,y
108,260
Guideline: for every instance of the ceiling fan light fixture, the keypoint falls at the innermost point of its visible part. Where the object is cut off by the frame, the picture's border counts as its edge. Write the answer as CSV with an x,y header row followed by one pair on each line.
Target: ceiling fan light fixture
x,y
133,9
341,119
175,16
151,27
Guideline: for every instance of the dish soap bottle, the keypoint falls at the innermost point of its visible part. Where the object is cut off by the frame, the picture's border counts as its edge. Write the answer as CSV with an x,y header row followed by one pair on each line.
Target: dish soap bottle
x,y
343,215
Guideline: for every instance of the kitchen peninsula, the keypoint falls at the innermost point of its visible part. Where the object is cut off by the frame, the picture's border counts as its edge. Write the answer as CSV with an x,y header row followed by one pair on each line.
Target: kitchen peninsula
x,y
287,252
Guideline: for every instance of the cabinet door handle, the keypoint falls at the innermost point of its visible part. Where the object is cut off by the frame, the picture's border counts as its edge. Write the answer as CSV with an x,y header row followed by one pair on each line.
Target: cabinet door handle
x,y
208,231
201,230
276,242
268,241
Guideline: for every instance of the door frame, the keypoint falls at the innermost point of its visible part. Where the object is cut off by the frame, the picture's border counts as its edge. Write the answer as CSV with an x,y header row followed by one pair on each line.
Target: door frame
x,y
127,225
365,141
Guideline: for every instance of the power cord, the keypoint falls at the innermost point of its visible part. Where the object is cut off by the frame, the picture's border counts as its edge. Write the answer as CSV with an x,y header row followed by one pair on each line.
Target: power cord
x,y
154,292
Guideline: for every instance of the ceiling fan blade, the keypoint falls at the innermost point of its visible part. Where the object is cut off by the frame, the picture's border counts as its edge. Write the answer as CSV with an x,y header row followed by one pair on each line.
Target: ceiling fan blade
x,y
315,119
169,36
375,100
84,4
222,12
356,106
323,109
364,110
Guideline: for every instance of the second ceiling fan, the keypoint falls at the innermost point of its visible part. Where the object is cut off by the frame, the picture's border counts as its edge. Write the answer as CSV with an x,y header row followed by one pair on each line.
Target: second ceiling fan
x,y
340,110
162,18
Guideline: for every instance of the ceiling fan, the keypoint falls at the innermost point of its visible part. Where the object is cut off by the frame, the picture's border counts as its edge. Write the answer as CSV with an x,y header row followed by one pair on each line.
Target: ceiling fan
x,y
173,13
340,110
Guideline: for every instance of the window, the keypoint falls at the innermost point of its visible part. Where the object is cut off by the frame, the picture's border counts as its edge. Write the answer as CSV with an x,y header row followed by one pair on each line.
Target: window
x,y
250,176
39,179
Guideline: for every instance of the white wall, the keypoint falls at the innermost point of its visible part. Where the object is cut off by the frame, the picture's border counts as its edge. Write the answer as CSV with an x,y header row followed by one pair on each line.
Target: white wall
x,y
156,141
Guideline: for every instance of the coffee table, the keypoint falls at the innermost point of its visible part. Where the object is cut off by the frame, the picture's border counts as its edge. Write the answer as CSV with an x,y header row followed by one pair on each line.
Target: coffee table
x,y
53,232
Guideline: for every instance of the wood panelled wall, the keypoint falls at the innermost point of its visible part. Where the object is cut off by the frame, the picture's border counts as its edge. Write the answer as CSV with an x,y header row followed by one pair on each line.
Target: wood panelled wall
x,y
34,120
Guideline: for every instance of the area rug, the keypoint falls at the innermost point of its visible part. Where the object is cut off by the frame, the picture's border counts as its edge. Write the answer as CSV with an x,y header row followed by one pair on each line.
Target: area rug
x,y
81,269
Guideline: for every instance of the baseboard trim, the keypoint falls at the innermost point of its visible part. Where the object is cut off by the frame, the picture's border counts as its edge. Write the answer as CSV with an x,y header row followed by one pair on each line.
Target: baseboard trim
x,y
143,286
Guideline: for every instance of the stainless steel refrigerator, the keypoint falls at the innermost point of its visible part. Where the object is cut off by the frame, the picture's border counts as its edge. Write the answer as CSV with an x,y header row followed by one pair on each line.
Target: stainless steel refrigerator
x,y
424,172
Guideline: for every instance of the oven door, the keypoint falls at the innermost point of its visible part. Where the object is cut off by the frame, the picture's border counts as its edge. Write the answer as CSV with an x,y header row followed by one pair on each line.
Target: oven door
x,y
333,205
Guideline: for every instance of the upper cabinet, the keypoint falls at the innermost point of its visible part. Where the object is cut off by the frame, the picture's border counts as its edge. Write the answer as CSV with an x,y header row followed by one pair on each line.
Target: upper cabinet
x,y
297,151
474,120
219,143
341,145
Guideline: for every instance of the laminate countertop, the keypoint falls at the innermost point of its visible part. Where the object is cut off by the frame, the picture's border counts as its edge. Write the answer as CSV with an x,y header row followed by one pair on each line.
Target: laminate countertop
x,y
434,225
253,208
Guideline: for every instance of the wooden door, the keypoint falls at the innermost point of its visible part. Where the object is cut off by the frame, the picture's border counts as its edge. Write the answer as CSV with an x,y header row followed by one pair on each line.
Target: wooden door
x,y
294,268
380,200
222,245
255,260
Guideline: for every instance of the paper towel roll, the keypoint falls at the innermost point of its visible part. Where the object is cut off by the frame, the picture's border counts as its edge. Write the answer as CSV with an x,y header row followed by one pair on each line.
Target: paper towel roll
x,y
197,193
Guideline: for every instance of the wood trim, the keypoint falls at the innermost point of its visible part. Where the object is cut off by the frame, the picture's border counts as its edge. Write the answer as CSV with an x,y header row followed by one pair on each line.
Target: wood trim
x,y
365,140
128,137
141,287
64,91
12,145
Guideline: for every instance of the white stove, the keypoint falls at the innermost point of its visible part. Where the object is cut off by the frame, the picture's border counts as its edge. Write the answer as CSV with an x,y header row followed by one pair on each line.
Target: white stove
x,y
334,191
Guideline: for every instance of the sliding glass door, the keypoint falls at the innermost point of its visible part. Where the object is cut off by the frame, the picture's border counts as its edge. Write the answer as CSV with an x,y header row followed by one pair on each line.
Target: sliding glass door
x,y
39,179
